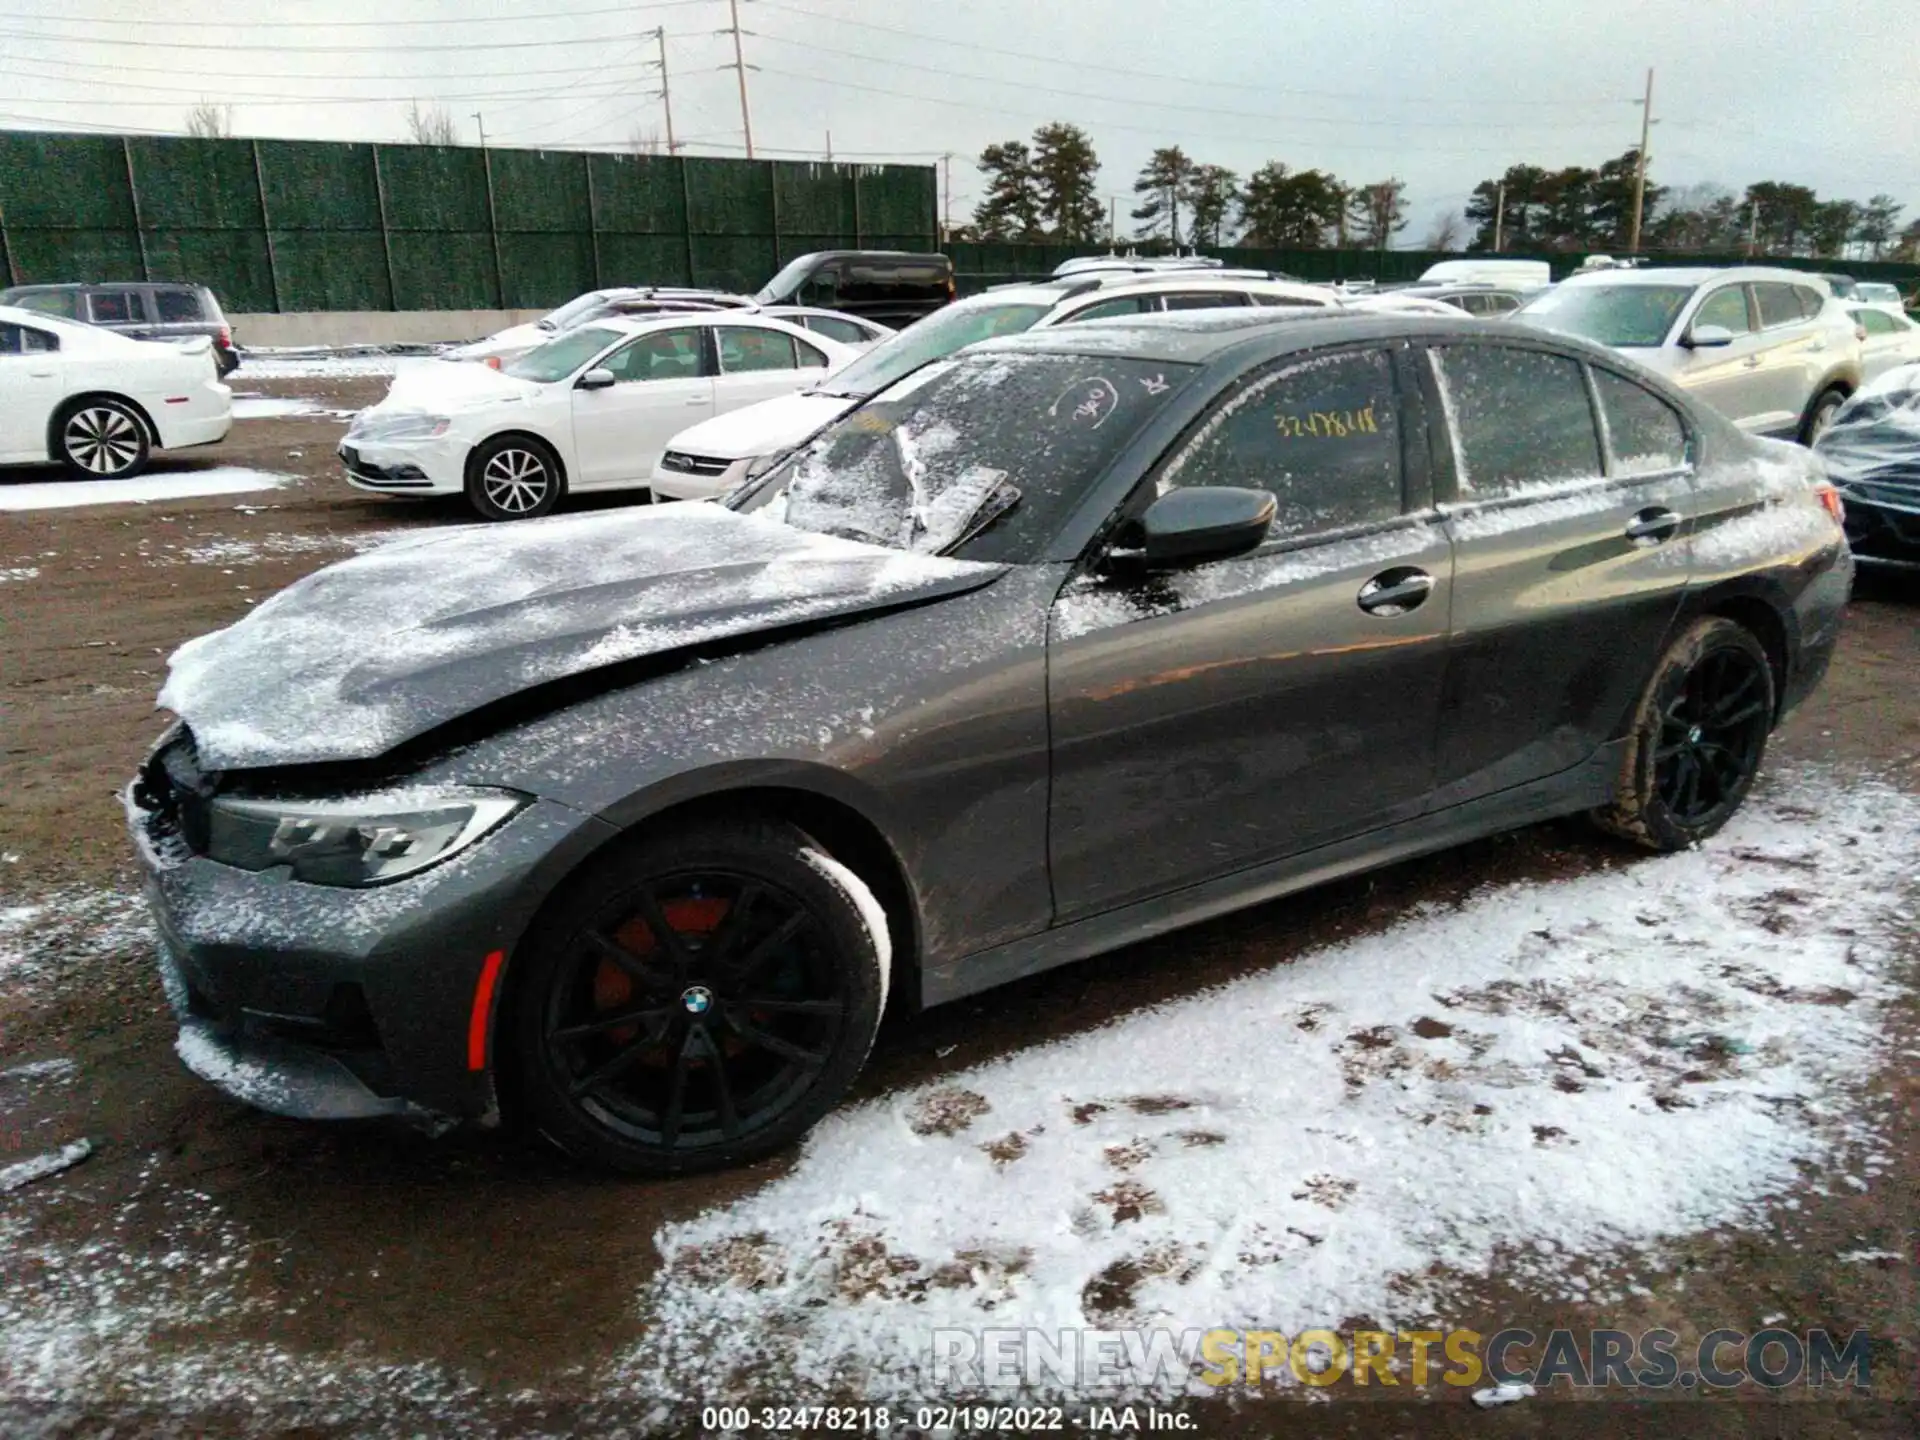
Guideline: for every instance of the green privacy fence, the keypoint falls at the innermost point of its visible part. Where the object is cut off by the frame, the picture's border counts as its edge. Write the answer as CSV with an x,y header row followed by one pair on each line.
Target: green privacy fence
x,y
978,265
297,225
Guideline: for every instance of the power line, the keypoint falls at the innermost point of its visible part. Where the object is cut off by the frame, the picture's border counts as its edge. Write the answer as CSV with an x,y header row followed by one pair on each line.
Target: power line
x,y
274,49
463,22
1138,103
107,72
1213,84
280,97
1159,130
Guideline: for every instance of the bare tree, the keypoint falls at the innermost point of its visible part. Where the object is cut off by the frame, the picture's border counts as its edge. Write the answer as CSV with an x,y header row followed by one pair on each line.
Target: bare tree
x,y
645,141
431,126
1445,232
209,121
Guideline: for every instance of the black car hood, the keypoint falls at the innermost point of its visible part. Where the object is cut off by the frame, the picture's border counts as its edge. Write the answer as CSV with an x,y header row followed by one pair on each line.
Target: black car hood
x,y
364,655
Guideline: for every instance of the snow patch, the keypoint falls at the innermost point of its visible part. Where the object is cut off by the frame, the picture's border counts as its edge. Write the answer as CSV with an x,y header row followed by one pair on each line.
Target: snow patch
x,y
1457,1095
19,572
141,490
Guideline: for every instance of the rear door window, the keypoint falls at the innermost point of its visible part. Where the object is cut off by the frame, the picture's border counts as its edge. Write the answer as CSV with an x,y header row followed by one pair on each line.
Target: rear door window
x,y
1779,305
1727,308
1323,436
1521,419
1644,431
177,306
25,340
117,307
1812,302
1877,322
748,349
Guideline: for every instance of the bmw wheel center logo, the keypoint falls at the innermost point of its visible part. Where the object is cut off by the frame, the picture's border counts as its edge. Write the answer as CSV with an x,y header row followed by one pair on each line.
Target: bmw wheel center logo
x,y
697,998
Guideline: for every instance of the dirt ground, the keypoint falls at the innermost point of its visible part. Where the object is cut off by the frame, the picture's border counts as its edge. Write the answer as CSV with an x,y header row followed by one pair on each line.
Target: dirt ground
x,y
486,1258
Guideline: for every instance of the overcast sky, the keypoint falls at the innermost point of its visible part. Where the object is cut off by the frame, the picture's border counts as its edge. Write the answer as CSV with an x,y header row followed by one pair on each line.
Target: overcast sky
x,y
1441,93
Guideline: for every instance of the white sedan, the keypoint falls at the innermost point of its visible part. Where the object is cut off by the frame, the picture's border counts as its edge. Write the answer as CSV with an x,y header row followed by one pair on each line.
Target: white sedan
x,y
100,403
590,410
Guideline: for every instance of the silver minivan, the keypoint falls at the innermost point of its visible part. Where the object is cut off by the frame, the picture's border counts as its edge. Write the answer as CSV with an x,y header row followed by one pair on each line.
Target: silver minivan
x,y
1772,350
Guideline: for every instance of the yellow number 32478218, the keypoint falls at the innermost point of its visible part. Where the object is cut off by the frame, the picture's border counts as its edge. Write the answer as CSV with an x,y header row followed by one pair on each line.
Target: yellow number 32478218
x,y
1329,424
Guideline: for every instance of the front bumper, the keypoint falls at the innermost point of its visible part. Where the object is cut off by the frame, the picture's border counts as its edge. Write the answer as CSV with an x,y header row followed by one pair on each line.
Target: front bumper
x,y
703,484
329,1003
406,467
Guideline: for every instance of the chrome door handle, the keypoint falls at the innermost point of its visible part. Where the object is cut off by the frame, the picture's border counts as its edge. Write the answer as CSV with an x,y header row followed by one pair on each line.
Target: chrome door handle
x,y
1652,526
1395,592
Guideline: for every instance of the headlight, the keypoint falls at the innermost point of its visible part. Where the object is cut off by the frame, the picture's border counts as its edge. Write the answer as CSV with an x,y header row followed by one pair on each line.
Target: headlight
x,y
368,426
359,841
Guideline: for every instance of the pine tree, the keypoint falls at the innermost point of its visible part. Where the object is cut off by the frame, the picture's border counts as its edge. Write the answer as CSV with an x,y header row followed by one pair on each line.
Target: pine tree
x,y
1162,181
1010,210
1065,174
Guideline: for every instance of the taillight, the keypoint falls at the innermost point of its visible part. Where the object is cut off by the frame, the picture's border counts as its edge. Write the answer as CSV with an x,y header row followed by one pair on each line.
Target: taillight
x,y
1860,333
1831,502
226,338
492,362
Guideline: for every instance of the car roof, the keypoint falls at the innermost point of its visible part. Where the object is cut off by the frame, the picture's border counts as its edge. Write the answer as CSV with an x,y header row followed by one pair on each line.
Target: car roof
x,y
1194,337
1695,275
1068,287
43,286
642,324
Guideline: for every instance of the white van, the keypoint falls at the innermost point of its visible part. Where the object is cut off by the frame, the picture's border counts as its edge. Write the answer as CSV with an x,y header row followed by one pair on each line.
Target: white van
x,y
1508,274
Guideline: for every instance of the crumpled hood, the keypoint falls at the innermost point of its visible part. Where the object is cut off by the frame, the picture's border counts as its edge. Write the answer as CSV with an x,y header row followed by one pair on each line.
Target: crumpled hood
x,y
363,655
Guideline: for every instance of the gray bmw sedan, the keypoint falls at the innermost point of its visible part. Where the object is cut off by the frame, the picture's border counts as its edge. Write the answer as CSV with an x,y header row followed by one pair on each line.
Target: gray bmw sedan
x,y
634,824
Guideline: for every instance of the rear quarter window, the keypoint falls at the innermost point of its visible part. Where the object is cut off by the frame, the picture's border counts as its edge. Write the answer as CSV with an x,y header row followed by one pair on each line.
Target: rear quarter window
x,y
177,306
64,303
1779,305
1645,433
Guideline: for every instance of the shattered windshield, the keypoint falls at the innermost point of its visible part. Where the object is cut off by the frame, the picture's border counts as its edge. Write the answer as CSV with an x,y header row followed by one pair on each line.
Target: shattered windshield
x,y
984,455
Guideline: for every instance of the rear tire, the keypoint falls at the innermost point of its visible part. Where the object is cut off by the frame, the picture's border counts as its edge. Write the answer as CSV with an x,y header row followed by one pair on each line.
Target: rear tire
x,y
1820,414
721,1046
514,477
1698,738
98,438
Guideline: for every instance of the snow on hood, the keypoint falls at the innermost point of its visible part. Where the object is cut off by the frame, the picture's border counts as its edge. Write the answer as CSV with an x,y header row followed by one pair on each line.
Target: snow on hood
x,y
763,429
451,384
365,654
514,337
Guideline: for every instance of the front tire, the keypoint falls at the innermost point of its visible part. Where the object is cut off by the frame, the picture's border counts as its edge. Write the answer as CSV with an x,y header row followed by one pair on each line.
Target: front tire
x,y
514,477
102,439
1698,738
697,999
1825,406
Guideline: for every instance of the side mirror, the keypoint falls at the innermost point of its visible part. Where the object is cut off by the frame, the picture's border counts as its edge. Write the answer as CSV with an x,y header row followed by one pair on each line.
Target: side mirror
x,y
1708,337
1205,522
595,379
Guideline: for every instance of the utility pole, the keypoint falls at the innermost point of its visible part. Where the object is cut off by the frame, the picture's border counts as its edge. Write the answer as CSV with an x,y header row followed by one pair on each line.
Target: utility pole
x,y
829,147
483,129
1113,222
946,196
1753,228
739,66
1640,169
1500,219
666,98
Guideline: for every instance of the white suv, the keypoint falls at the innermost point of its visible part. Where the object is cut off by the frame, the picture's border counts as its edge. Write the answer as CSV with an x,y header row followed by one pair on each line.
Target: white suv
x,y
713,458
1772,350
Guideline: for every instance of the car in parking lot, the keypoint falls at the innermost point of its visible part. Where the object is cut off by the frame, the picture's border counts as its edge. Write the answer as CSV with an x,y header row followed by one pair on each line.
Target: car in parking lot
x,y
853,331
713,458
1771,350
1879,294
1890,340
589,410
638,823
1475,298
1872,453
892,287
631,302
100,403
140,310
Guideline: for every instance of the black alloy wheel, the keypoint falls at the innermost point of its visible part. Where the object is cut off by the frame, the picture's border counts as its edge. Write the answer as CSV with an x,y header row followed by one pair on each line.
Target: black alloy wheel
x,y
1699,737
703,1003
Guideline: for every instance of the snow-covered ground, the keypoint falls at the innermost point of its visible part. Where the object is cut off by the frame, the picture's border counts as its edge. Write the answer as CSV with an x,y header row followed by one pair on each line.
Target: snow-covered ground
x,y
1543,1086
141,490
279,407
315,367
